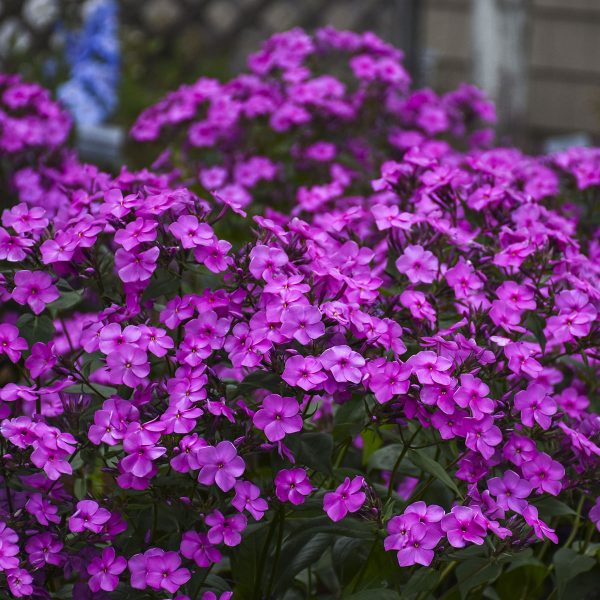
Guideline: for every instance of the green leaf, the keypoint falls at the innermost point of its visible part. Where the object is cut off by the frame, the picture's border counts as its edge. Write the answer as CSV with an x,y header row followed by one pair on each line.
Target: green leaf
x,y
255,381
245,561
569,564
163,283
384,458
67,300
312,450
551,507
36,328
371,443
349,419
475,572
431,466
422,580
298,554
84,388
371,594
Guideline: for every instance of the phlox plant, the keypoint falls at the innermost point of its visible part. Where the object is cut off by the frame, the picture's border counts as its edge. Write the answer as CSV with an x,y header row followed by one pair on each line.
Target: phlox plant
x,y
389,391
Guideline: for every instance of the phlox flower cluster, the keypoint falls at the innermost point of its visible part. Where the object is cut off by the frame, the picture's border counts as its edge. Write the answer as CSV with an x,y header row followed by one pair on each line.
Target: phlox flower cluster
x,y
410,361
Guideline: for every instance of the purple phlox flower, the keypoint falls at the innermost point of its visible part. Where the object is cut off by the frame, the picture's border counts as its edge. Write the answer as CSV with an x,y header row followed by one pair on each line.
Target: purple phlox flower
x,y
348,497
594,514
155,340
418,264
520,359
579,441
10,343
430,368
9,548
481,435
535,404
181,416
214,256
418,305
387,379
25,219
196,546
473,393
44,548
128,365
135,233
164,572
278,416
292,485
41,359
305,372
519,449
518,297
112,338
266,261
220,464
464,525
34,288
345,364
13,248
419,545
303,323
544,474
540,528
510,491
191,233
105,570
247,496
42,509
133,267
19,582
89,515
226,530
572,402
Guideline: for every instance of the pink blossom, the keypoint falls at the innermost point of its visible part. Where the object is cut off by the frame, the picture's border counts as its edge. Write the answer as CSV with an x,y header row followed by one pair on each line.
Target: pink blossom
x,y
34,288
220,464
348,497
418,264
344,363
292,485
105,571
278,416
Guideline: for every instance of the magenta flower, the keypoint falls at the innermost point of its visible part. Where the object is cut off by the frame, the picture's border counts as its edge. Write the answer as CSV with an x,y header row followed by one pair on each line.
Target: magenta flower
x,y
9,548
278,416
266,260
303,323
418,264
220,464
105,570
191,233
19,582
473,393
594,514
544,474
196,546
226,530
42,509
387,379
44,548
481,435
10,343
305,372
463,525
292,485
214,256
348,497
430,368
164,572
135,233
247,497
419,545
128,365
535,404
34,288
510,491
344,363
14,248
112,339
88,516
133,267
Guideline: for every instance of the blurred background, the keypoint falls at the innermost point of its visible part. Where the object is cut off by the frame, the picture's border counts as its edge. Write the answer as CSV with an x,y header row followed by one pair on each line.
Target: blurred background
x,y
108,59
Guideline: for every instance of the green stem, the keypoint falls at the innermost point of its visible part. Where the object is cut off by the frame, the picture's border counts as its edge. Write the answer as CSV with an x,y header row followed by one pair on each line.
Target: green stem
x,y
575,528
405,449
277,553
263,558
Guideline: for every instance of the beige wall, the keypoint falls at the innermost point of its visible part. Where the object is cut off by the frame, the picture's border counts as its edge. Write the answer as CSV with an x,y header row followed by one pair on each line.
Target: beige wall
x,y
564,59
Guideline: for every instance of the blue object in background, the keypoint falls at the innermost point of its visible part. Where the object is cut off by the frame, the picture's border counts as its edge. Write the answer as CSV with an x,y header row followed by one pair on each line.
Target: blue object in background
x,y
93,57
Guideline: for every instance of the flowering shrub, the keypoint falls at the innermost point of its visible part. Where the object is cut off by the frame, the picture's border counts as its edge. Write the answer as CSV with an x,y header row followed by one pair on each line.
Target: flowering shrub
x,y
387,380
